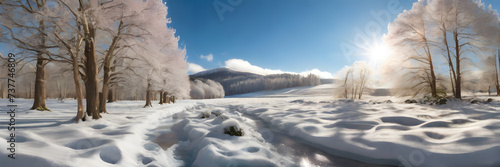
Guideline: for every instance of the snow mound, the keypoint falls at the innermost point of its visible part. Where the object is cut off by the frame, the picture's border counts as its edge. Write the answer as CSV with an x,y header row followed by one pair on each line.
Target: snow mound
x,y
454,134
212,147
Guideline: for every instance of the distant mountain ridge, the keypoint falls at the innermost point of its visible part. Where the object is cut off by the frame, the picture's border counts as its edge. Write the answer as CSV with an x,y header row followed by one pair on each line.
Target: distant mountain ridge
x,y
221,74
236,82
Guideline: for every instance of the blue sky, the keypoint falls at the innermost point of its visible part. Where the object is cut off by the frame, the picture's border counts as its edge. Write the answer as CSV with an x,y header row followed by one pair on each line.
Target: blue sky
x,y
286,35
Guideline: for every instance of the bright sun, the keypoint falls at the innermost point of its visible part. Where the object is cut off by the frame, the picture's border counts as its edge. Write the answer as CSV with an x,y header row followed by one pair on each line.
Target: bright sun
x,y
378,53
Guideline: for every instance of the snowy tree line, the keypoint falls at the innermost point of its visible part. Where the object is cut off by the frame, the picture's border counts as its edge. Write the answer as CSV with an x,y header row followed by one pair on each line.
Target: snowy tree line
x,y
268,82
206,89
101,47
438,44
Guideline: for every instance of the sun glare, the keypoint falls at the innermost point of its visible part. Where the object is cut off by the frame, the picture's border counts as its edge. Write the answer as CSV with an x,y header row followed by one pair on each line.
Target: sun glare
x,y
378,53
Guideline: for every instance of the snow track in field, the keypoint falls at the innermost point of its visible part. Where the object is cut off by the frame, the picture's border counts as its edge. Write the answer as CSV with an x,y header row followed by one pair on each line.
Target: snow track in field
x,y
202,143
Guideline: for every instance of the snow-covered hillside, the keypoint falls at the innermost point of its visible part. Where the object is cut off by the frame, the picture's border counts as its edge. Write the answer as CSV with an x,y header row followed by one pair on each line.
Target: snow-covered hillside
x,y
302,126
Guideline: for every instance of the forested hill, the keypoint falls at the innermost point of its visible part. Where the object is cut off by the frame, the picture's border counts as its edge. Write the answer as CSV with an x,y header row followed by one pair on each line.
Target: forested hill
x,y
235,82
221,74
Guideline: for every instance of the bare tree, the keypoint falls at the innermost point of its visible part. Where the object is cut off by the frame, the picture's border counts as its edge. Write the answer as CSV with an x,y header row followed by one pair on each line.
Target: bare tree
x,y
355,80
363,78
346,78
27,31
472,28
440,14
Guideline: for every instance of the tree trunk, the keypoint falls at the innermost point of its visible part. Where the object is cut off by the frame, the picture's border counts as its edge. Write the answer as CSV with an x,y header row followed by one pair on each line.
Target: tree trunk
x,y
148,97
110,95
450,62
433,79
496,73
458,82
352,92
40,79
165,97
105,88
40,86
345,85
364,76
107,70
91,75
79,93
161,97
29,94
1,90
431,68
489,88
353,84
116,95
452,83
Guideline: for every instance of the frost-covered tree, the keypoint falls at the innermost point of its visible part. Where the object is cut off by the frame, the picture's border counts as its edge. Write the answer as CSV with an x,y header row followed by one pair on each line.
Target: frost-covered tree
x,y
124,23
155,57
206,89
98,41
456,29
471,26
409,35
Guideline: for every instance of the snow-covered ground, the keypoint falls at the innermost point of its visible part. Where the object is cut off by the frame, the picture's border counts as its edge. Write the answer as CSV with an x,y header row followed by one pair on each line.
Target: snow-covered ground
x,y
302,126
120,138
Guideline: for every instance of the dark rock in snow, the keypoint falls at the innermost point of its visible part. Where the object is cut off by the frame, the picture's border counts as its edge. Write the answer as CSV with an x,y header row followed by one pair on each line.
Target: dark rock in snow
x,y
410,101
205,114
442,101
234,131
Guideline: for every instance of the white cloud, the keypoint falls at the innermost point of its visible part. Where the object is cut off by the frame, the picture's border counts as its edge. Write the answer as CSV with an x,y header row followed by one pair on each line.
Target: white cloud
x,y
195,68
321,74
209,57
245,66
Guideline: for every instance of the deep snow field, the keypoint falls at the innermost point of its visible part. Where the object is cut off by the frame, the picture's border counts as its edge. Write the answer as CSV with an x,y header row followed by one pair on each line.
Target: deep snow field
x,y
302,126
